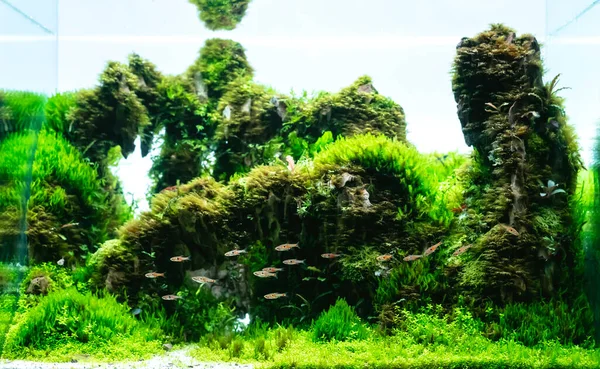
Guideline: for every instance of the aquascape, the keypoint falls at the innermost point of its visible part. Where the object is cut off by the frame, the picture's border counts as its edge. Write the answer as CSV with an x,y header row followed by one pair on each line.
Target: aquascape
x,y
311,215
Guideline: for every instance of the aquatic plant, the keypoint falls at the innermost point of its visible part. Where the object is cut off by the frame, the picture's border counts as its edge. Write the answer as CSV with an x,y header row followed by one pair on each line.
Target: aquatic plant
x,y
588,216
398,351
20,111
57,111
64,190
520,138
339,323
188,130
41,280
221,14
69,318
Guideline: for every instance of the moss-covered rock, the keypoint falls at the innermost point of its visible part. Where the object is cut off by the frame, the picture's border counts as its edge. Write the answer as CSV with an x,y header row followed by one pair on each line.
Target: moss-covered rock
x,y
220,62
356,109
518,129
147,91
221,14
247,122
257,126
109,115
361,197
189,129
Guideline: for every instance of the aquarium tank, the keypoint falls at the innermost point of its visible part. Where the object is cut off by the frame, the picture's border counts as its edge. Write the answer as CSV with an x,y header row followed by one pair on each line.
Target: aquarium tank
x,y
299,184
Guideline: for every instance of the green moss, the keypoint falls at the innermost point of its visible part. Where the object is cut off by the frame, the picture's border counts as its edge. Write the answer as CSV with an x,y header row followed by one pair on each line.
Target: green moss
x,y
109,115
64,189
356,109
221,14
220,63
57,277
248,136
517,127
148,80
188,130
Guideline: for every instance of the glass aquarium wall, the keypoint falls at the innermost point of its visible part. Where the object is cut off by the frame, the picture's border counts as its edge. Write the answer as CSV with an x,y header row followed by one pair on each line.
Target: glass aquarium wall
x,y
28,76
255,180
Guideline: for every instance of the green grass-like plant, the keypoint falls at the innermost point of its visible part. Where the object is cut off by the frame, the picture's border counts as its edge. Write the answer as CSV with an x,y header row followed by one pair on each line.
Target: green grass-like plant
x,y
339,323
67,318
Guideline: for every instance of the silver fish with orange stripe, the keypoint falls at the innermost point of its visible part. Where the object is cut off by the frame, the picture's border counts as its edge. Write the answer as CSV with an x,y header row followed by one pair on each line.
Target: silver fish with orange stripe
x,y
275,295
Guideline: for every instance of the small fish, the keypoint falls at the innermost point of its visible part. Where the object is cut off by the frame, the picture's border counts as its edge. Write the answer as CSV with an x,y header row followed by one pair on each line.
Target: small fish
x,y
412,257
170,188
136,311
272,269
246,106
293,261
227,112
330,256
431,249
275,295
154,275
461,250
202,279
179,259
171,297
235,252
460,209
313,269
510,229
68,225
385,257
61,262
286,247
263,274
291,165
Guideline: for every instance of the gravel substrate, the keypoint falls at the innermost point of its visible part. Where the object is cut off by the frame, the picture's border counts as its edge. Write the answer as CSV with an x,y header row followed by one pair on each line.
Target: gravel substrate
x,y
171,360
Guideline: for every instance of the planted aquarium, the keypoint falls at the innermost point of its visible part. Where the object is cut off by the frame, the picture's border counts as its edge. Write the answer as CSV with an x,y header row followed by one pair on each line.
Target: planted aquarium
x,y
299,184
